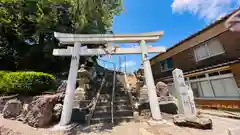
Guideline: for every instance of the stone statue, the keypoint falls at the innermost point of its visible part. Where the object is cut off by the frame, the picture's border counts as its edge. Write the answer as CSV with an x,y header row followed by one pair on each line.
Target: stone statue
x,y
162,89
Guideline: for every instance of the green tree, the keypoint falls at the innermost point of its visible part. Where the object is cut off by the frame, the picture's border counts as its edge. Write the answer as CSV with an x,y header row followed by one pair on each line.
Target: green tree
x,y
27,26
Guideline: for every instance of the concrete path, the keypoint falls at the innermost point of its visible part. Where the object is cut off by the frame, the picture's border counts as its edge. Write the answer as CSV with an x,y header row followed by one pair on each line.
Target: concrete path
x,y
220,127
220,113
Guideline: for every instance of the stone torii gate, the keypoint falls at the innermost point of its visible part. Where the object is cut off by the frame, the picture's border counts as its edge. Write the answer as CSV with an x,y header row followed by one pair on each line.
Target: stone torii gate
x,y
78,50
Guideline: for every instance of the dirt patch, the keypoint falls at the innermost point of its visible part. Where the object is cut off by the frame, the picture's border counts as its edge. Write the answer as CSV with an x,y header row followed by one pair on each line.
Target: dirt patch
x,y
19,127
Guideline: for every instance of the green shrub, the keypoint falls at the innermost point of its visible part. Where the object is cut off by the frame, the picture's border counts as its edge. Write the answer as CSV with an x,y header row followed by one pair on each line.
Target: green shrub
x,y
1,80
2,73
26,82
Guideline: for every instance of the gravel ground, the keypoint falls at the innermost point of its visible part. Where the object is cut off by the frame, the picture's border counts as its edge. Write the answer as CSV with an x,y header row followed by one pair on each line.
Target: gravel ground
x,y
220,126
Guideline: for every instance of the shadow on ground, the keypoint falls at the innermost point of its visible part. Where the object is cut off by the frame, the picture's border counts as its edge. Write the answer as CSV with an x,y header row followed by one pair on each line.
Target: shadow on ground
x,y
97,128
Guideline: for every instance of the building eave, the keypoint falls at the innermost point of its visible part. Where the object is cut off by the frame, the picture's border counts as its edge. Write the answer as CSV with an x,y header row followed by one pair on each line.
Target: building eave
x,y
197,33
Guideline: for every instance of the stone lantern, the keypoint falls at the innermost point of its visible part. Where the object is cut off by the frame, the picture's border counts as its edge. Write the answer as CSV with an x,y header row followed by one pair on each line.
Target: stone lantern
x,y
83,84
140,81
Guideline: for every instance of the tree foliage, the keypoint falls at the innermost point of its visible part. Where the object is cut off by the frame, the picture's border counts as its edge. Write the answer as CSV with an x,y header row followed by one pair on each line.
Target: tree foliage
x,y
27,26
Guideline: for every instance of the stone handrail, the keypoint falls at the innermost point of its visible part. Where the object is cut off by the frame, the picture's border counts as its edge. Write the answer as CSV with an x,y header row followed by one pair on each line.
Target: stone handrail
x,y
128,89
113,96
123,78
94,102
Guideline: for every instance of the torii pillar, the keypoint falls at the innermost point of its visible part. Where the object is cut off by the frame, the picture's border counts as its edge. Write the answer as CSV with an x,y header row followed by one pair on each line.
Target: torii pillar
x,y
152,96
77,51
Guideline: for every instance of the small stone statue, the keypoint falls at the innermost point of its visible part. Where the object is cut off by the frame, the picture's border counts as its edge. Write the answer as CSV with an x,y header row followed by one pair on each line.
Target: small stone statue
x,y
162,90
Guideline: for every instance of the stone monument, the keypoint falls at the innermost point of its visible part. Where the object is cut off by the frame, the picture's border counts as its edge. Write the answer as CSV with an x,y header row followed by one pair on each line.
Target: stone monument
x,y
187,109
185,95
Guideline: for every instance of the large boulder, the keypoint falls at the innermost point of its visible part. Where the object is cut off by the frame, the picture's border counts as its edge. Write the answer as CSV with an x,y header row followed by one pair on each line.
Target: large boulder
x,y
12,108
199,122
4,99
57,111
24,112
2,103
40,111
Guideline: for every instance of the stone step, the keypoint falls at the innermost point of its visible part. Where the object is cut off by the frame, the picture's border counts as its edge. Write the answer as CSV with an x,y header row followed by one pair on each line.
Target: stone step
x,y
109,119
103,101
121,95
105,97
124,112
123,107
108,91
100,114
120,92
83,103
121,98
103,108
109,97
107,103
121,101
109,94
117,107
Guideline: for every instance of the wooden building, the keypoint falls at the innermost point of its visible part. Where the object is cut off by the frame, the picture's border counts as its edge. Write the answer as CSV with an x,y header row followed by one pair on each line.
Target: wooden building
x,y
210,62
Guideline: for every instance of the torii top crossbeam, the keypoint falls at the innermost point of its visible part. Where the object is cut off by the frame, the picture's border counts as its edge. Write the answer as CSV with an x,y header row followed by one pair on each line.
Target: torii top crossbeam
x,y
65,38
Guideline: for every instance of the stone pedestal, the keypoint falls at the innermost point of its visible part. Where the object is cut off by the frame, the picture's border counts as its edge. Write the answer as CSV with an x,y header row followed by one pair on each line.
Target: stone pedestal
x,y
138,89
194,122
79,96
63,130
143,95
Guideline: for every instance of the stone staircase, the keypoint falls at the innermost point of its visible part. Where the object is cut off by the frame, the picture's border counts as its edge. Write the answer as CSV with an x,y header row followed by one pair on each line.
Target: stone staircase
x,y
121,110
83,100
89,111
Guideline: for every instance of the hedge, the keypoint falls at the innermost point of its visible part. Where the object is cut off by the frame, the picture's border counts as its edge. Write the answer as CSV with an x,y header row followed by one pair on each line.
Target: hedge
x,y
26,82
2,73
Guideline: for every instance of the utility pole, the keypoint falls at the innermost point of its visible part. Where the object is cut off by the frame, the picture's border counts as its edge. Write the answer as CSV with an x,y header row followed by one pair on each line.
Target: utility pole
x,y
125,60
120,63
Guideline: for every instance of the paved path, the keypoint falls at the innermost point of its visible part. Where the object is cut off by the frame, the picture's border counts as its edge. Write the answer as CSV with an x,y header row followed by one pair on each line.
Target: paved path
x,y
221,113
220,126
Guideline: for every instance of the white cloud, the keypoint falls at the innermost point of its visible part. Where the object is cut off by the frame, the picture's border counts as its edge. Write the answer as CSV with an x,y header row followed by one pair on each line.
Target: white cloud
x,y
129,63
207,9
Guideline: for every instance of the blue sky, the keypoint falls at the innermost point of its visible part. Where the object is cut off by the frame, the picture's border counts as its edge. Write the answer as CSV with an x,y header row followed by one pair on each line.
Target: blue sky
x,y
177,18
